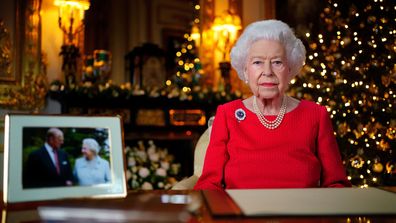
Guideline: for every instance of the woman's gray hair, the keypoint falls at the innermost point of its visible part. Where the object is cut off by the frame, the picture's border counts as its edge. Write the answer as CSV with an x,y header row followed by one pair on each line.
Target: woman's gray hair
x,y
92,144
268,30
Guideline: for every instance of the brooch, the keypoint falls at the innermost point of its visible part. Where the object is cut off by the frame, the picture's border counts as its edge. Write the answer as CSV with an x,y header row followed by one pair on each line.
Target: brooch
x,y
240,114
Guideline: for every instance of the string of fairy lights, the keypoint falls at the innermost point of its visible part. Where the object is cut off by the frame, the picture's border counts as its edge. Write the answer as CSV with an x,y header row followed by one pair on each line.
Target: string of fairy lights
x,y
189,69
351,69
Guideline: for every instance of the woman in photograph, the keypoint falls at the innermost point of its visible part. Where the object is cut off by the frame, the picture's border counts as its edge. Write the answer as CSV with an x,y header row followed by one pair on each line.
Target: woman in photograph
x,y
91,169
271,140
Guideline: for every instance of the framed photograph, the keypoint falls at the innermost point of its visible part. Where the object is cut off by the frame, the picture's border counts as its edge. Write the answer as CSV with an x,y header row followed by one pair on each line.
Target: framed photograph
x,y
50,157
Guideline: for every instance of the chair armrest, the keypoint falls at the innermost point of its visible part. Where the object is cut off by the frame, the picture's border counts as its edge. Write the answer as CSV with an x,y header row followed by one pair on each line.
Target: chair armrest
x,y
186,184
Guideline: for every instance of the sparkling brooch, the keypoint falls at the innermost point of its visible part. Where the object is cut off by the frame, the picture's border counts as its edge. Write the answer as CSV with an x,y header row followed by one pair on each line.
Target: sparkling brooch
x,y
240,114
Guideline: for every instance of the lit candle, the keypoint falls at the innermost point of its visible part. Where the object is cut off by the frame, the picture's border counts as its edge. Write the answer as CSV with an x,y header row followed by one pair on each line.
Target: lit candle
x,y
60,11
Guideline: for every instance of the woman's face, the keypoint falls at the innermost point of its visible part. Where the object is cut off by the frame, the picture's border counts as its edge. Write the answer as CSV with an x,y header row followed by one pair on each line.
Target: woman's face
x,y
88,153
267,71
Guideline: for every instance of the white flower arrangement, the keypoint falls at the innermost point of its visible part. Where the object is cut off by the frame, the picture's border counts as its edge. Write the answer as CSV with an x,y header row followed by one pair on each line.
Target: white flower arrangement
x,y
150,168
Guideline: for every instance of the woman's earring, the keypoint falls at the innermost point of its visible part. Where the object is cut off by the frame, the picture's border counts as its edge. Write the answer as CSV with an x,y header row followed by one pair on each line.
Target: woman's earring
x,y
246,81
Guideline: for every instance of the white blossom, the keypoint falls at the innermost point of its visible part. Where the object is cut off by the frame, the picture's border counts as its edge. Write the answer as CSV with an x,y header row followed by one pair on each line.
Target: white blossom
x,y
151,143
175,168
142,155
128,174
134,169
163,154
161,172
131,161
154,157
165,165
151,150
145,163
144,172
147,186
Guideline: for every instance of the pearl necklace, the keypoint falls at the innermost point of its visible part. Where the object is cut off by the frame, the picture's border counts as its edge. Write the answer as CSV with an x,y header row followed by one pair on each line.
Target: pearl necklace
x,y
267,123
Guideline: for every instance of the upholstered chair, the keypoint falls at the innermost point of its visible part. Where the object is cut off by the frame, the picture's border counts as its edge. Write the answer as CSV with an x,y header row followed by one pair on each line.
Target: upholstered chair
x,y
199,158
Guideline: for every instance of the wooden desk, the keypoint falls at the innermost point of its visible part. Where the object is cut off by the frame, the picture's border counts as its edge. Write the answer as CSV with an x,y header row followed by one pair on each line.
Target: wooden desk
x,y
150,206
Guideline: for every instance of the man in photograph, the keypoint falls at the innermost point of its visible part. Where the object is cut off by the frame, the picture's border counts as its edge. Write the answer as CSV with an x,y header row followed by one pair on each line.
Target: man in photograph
x,y
48,166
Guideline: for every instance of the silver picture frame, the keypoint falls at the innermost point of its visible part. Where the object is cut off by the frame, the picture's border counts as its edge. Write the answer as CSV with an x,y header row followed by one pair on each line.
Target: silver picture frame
x,y
16,136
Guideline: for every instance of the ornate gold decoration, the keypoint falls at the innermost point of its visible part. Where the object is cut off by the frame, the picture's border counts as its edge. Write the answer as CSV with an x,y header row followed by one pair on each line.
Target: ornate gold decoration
x,y
182,117
5,52
27,90
206,48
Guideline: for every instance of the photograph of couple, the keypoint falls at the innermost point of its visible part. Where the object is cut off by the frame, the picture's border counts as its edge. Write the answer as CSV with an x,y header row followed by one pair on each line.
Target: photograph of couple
x,y
54,157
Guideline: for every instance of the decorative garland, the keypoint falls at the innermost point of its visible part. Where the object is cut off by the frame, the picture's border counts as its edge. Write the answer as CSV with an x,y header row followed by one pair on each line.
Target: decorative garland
x,y
126,91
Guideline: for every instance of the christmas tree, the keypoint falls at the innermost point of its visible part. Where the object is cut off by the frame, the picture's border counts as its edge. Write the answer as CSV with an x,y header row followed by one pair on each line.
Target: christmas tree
x,y
188,68
351,69
188,65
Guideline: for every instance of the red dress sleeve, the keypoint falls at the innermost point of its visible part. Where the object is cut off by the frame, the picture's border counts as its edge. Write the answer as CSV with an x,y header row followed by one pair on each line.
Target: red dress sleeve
x,y
216,154
333,172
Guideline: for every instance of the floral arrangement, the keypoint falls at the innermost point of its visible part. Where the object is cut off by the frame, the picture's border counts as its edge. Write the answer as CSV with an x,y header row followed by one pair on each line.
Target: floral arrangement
x,y
150,167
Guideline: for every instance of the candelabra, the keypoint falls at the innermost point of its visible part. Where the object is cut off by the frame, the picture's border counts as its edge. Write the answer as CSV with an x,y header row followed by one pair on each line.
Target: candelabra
x,y
71,22
226,27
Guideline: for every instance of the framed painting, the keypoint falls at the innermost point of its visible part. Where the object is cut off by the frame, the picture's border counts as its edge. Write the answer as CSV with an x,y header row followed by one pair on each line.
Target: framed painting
x,y
22,73
50,157
146,65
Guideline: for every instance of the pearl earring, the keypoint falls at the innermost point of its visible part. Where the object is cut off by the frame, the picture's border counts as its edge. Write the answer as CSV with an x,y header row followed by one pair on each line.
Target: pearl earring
x,y
246,81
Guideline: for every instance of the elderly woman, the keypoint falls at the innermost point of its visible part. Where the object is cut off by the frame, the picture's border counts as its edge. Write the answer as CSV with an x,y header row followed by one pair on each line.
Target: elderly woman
x,y
271,140
91,168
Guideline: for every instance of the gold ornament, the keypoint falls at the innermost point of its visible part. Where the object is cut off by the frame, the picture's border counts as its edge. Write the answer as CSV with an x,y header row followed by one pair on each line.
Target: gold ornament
x,y
390,167
391,133
356,161
5,51
384,145
327,10
342,129
313,46
378,167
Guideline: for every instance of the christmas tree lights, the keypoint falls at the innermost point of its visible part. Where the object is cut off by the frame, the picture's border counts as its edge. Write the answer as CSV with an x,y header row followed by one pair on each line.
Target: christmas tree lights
x,y
189,69
351,69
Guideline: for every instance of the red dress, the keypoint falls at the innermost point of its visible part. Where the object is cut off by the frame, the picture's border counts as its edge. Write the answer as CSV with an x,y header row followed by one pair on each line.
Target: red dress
x,y
302,152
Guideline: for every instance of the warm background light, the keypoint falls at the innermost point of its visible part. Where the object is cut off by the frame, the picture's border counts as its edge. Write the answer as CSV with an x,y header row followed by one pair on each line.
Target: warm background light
x,y
195,34
71,17
226,27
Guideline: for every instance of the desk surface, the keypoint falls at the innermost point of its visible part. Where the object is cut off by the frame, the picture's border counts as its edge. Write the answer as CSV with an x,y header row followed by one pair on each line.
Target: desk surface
x,y
149,206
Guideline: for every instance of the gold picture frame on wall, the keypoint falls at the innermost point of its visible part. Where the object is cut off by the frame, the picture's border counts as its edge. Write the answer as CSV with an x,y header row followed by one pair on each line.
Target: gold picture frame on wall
x,y
23,83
